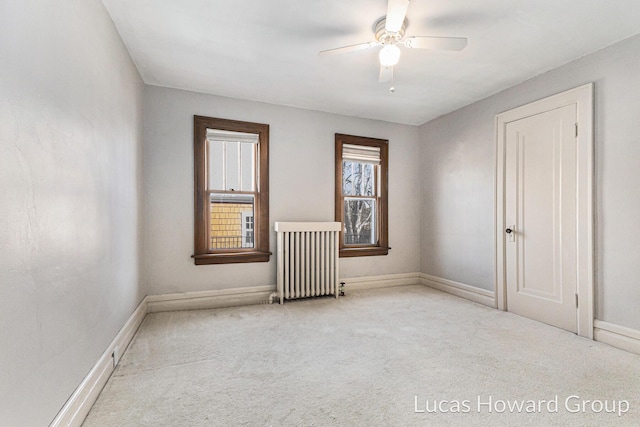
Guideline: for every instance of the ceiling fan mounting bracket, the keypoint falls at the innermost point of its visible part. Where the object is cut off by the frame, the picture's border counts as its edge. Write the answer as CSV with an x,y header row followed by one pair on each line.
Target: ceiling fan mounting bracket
x,y
388,37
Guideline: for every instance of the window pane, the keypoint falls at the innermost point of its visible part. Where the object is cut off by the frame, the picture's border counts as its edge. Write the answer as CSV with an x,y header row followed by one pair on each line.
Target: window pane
x,y
232,221
358,179
216,161
359,221
367,180
247,163
233,160
347,178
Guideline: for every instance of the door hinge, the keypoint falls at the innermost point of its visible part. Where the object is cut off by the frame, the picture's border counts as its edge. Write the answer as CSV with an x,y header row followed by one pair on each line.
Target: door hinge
x,y
576,130
576,300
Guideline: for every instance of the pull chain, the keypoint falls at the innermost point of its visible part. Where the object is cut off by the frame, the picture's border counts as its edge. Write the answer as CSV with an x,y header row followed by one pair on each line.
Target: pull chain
x,y
392,89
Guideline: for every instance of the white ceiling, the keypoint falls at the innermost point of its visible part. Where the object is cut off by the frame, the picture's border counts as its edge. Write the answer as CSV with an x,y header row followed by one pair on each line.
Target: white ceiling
x,y
267,50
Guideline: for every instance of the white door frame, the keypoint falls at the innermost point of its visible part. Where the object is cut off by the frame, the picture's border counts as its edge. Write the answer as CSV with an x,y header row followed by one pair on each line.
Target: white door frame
x,y
582,96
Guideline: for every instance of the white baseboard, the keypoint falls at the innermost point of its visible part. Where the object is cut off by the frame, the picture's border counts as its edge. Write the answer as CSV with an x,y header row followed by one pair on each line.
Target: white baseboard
x,y
481,296
385,281
209,299
617,336
77,407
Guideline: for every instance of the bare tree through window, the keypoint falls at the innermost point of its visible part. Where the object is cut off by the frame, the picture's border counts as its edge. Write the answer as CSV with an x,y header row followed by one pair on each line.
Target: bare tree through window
x,y
359,210
361,194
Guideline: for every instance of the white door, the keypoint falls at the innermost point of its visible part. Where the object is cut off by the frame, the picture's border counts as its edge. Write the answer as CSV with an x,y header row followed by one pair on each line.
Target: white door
x,y
540,217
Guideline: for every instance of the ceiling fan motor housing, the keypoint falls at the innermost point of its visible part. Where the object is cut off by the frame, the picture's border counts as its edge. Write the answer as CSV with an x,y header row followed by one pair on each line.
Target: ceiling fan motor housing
x,y
388,37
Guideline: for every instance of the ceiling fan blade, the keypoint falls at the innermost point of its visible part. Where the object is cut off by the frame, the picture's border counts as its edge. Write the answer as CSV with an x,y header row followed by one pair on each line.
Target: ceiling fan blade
x,y
443,43
345,49
386,74
396,12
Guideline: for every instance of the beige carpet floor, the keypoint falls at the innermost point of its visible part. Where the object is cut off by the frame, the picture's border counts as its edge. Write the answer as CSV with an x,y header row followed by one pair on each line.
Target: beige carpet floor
x,y
405,356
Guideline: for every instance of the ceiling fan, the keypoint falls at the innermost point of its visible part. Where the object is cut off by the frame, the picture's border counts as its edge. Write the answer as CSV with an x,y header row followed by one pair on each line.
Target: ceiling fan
x,y
389,33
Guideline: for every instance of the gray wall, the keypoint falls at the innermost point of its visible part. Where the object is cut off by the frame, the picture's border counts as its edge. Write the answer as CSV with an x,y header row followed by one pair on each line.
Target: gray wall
x,y
301,186
70,181
457,180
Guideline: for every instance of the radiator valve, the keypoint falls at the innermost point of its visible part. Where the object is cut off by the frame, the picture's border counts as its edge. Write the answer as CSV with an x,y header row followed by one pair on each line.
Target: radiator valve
x,y
341,289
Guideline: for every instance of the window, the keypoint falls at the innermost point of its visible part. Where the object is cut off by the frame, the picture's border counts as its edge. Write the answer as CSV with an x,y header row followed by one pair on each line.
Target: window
x,y
231,161
247,229
361,195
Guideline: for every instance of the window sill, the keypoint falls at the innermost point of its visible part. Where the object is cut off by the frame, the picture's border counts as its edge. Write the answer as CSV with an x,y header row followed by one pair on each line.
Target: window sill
x,y
364,251
231,258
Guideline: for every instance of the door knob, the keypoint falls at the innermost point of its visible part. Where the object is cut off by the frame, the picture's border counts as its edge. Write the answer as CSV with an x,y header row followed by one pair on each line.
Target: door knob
x,y
511,233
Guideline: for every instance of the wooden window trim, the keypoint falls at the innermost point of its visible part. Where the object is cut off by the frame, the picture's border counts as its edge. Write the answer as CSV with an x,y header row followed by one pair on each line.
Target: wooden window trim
x,y
202,253
382,246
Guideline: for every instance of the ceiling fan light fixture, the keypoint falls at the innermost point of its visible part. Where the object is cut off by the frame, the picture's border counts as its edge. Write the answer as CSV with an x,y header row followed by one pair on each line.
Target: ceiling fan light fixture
x,y
389,55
